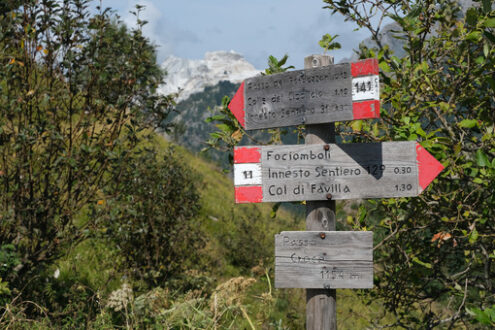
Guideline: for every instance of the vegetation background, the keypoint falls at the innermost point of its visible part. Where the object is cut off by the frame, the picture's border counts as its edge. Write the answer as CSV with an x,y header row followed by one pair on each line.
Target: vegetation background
x,y
104,223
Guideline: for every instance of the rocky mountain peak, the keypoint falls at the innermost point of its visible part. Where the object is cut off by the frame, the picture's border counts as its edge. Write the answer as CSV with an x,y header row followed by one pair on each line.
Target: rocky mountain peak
x,y
188,76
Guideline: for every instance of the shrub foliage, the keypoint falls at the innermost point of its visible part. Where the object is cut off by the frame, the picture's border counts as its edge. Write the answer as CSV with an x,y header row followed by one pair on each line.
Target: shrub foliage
x,y
149,217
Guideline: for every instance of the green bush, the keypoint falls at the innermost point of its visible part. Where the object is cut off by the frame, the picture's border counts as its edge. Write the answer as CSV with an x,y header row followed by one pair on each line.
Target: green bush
x,y
150,216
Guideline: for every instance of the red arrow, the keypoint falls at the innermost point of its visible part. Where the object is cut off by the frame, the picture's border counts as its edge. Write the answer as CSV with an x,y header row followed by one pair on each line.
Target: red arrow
x,y
428,166
236,105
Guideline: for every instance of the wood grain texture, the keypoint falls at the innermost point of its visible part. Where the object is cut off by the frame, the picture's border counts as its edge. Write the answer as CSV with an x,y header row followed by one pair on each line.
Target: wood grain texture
x,y
338,260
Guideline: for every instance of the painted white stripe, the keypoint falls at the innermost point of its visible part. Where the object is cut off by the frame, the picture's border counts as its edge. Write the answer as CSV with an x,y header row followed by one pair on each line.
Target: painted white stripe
x,y
366,88
246,174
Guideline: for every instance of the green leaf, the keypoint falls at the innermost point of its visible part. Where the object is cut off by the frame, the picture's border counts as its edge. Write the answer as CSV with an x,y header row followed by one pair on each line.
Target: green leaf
x,y
468,123
357,125
491,313
327,42
224,127
424,66
480,60
479,315
482,159
384,67
376,130
215,117
478,181
473,236
489,23
216,135
362,214
419,262
272,60
420,132
474,36
283,60
412,137
275,66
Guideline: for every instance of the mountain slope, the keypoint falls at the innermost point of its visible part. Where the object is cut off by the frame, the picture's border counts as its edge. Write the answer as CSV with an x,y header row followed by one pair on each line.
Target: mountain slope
x,y
192,130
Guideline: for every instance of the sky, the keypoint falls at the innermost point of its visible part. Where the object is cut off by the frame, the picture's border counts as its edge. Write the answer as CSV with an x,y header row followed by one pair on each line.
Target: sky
x,y
253,28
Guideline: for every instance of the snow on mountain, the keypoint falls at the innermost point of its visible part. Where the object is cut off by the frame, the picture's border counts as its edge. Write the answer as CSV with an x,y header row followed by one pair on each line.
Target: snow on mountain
x,y
190,76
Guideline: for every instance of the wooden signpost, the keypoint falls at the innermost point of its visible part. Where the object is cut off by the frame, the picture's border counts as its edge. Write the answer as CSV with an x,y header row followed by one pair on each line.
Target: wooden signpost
x,y
326,94
324,259
319,172
286,173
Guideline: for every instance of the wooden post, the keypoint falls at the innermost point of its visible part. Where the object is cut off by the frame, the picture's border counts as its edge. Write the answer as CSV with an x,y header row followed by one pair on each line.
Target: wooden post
x,y
320,303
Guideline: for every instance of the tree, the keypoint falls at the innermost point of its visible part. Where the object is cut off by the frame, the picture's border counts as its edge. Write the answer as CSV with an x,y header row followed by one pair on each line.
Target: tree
x,y
435,252
76,95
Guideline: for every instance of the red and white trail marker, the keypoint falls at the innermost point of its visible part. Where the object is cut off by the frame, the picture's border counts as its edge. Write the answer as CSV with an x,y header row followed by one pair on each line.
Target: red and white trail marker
x,y
338,92
335,171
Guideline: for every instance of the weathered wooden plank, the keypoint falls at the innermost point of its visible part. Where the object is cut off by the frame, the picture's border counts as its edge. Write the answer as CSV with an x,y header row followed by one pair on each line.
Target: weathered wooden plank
x,y
321,304
310,96
344,171
326,259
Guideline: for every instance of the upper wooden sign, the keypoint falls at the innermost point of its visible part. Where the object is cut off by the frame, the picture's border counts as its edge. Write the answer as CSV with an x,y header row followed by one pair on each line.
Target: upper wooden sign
x,y
338,92
286,173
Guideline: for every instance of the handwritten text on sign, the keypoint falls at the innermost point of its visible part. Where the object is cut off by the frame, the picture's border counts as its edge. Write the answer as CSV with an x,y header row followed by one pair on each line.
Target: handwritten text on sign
x,y
334,171
346,91
327,259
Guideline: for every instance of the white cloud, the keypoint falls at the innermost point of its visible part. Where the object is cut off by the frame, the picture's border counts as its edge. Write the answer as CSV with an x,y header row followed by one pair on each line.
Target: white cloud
x,y
254,28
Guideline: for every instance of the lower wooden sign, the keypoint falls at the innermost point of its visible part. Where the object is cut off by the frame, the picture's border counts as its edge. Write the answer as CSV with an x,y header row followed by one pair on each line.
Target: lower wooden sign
x,y
324,260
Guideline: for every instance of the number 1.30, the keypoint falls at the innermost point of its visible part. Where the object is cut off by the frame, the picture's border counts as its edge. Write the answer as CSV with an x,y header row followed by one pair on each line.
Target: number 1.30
x,y
403,187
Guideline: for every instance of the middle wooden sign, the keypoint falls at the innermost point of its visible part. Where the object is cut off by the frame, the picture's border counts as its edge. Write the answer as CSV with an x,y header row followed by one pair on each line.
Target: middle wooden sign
x,y
284,173
337,92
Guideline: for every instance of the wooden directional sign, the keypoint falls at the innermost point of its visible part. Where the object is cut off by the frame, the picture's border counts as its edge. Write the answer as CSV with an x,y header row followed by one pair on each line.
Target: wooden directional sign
x,y
324,260
326,94
335,171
